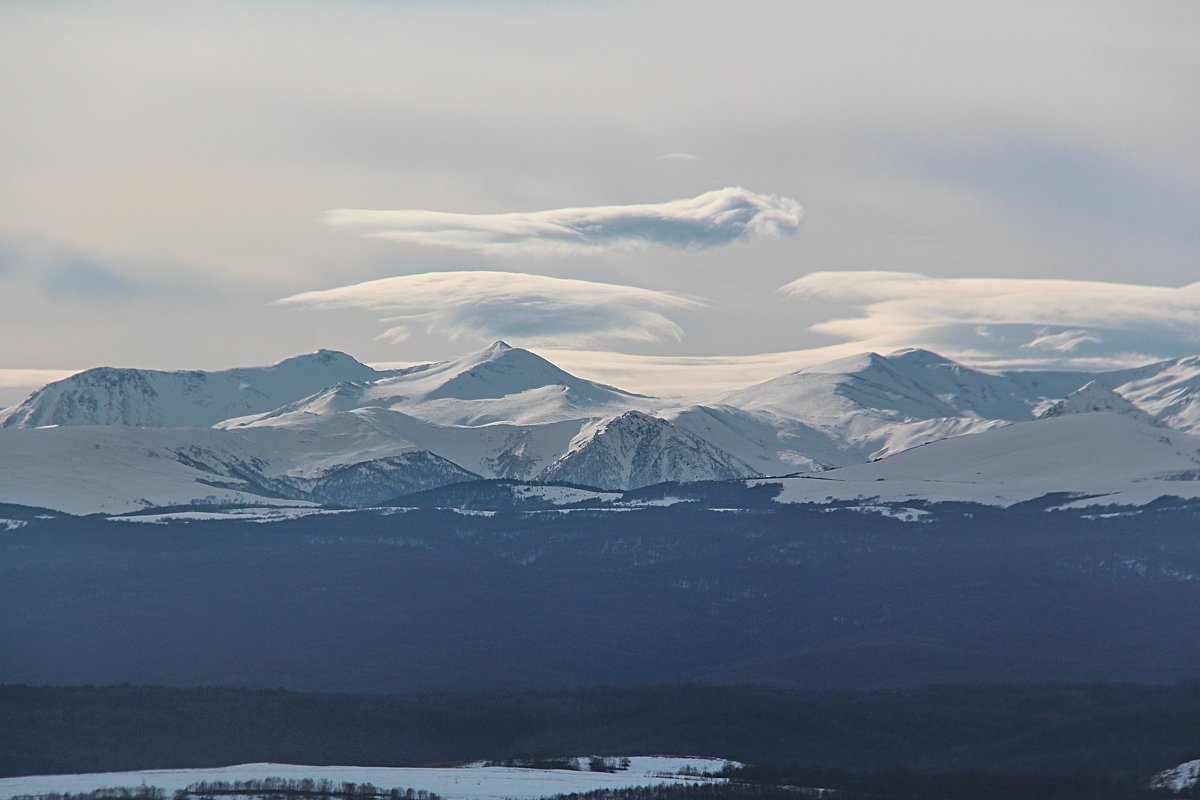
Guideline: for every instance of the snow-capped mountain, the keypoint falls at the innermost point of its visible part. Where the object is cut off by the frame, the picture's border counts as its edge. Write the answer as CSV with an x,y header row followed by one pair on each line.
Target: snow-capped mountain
x,y
636,449
498,384
860,408
907,384
326,428
159,399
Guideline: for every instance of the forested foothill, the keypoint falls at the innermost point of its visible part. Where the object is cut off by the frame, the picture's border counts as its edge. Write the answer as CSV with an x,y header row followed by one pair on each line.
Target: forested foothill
x,y
1057,648
436,600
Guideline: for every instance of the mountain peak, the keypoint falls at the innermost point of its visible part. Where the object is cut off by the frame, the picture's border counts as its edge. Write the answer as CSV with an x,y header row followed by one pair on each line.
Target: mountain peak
x,y
636,449
1092,398
497,371
918,355
324,357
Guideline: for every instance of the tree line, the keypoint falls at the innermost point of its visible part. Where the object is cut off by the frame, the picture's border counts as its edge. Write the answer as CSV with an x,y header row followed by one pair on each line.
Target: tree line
x,y
269,788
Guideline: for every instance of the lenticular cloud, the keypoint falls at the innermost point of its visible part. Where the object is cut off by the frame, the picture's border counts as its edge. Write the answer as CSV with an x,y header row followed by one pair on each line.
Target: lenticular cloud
x,y
1009,322
710,220
532,309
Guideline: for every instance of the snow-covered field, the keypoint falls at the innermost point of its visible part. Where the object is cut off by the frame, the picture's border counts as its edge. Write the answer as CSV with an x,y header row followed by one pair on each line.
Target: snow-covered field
x,y
472,781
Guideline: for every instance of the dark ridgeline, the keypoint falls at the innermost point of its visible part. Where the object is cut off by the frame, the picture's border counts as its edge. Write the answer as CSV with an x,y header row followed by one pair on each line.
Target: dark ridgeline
x,y
1115,730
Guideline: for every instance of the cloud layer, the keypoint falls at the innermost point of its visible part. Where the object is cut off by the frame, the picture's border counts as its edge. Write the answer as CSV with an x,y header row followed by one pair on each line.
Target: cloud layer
x,y
528,309
710,220
1009,321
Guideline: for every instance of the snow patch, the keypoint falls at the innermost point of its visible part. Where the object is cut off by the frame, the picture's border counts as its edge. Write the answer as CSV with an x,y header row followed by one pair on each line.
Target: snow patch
x,y
1178,779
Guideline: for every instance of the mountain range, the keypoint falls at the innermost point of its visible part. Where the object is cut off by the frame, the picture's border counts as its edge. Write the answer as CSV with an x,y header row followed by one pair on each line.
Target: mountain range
x,y
324,428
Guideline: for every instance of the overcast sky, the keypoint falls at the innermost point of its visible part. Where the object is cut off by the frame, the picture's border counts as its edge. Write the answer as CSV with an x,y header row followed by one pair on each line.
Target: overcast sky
x,y
739,189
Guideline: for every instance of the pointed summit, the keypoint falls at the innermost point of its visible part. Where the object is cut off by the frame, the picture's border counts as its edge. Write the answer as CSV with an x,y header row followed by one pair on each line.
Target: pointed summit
x,y
1093,398
499,371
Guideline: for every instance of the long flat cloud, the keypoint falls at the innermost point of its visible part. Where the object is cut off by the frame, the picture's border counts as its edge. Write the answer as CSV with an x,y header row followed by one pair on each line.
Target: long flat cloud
x,y
1008,321
710,220
528,309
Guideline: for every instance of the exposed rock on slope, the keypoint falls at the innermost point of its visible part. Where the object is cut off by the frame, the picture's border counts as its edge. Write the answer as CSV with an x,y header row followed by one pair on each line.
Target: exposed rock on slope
x,y
636,449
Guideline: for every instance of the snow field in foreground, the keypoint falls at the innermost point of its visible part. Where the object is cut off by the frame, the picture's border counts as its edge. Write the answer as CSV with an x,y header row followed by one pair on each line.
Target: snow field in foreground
x,y
470,782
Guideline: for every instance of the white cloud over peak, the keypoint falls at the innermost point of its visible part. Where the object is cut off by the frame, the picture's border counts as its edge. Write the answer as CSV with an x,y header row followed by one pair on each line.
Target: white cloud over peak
x,y
1062,342
528,309
1018,322
711,219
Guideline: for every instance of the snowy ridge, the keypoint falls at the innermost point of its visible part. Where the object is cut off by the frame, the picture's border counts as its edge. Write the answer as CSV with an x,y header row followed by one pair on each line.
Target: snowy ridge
x,y
326,428
158,399
470,782
498,384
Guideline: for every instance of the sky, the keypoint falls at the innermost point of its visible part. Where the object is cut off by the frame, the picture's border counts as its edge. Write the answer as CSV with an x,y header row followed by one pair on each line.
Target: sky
x,y
665,196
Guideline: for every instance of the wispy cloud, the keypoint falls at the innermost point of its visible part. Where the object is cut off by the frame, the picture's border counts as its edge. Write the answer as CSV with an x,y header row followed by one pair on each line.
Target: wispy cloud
x,y
528,309
1061,342
1009,321
694,376
678,157
712,219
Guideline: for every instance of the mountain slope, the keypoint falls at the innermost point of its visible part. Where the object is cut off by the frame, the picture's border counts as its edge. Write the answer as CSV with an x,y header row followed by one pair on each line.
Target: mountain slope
x,y
158,399
636,449
1103,456
1091,398
1169,391
492,451
116,469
